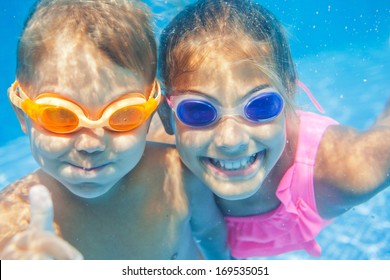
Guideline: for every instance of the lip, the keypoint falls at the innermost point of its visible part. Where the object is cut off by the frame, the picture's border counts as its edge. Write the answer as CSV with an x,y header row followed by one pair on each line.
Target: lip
x,y
89,169
234,169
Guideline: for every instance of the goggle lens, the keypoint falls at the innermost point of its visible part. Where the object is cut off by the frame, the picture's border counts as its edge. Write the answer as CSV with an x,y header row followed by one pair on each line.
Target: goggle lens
x,y
122,115
201,113
196,113
264,107
127,118
57,119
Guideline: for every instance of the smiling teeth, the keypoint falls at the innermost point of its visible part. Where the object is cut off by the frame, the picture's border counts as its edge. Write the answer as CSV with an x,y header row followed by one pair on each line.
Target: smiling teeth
x,y
234,164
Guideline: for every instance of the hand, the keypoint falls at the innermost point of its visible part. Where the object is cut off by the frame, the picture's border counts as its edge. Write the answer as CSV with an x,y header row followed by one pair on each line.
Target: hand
x,y
39,241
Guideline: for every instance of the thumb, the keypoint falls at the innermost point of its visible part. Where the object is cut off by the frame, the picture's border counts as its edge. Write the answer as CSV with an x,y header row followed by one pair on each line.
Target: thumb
x,y
41,208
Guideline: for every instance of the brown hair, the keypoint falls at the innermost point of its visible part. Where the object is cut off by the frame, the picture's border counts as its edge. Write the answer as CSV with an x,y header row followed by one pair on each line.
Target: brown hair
x,y
120,29
241,29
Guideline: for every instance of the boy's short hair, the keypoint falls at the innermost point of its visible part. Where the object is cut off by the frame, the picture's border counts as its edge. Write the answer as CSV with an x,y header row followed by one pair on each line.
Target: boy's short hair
x,y
242,29
120,29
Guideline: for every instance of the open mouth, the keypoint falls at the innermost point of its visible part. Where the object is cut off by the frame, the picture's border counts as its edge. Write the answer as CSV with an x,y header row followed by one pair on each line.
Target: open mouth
x,y
243,166
233,164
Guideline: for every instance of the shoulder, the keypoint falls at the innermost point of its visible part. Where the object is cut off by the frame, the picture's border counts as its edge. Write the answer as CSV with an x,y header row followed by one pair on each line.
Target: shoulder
x,y
155,153
17,192
162,173
165,158
14,207
159,160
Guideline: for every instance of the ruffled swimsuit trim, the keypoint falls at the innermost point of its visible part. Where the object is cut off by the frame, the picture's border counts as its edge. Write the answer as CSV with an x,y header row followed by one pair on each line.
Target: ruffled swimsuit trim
x,y
296,222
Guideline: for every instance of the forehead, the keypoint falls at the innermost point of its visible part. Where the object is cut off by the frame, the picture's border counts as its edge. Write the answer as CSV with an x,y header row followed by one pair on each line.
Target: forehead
x,y
77,69
223,70
215,69
238,58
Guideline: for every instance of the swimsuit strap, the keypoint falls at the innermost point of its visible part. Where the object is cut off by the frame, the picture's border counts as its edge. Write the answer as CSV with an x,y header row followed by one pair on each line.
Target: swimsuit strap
x,y
310,95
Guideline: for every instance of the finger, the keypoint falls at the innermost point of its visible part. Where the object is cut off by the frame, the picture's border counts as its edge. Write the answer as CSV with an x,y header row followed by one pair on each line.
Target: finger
x,y
24,255
41,207
56,247
39,245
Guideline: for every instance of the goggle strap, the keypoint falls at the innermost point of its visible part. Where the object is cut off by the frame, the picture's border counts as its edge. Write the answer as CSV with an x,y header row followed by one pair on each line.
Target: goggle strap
x,y
169,101
153,102
156,88
30,108
16,94
13,95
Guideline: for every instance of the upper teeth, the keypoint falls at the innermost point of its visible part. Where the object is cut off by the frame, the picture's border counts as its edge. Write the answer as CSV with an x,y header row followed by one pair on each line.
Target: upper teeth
x,y
234,164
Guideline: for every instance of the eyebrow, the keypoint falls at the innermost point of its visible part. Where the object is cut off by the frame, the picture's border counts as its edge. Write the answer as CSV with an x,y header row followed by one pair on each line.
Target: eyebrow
x,y
254,90
189,91
196,92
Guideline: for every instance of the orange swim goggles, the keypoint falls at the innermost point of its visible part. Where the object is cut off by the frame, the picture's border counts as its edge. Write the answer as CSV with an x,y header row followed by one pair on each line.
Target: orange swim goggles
x,y
59,115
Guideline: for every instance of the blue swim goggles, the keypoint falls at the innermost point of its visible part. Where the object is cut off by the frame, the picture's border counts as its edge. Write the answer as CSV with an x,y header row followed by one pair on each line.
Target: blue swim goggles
x,y
197,111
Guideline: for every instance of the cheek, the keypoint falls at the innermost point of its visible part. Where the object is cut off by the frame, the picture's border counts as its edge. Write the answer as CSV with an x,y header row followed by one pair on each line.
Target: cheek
x,y
134,140
49,145
274,137
192,140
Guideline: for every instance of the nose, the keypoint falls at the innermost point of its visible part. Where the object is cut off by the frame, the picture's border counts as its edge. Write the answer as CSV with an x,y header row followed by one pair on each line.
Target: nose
x,y
91,140
231,136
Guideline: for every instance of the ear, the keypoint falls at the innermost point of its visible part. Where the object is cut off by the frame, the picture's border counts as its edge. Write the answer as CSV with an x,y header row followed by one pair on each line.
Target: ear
x,y
21,117
166,116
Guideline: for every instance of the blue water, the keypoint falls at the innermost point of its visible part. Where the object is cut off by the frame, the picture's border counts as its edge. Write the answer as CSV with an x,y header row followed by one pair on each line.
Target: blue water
x,y
342,51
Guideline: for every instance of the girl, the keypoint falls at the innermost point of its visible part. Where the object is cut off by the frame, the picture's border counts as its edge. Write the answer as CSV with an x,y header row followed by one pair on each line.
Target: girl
x,y
84,94
279,174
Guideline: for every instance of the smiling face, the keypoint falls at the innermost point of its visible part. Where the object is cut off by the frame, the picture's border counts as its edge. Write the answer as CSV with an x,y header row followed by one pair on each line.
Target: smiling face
x,y
88,162
234,155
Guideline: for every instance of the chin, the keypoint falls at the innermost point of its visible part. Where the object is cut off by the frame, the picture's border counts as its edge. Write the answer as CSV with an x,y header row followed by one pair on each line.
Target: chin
x,y
234,197
233,190
89,190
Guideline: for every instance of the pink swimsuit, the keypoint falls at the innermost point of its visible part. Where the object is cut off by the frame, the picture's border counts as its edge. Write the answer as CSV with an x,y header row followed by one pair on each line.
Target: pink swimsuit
x,y
296,222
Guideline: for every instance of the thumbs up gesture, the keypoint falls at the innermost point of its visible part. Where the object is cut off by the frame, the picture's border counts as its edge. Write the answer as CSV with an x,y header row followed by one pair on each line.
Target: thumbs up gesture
x,y
39,241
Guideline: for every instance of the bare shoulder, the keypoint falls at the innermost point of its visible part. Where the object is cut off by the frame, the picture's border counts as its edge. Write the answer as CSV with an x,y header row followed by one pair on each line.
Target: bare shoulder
x,y
165,159
350,165
165,173
156,152
15,195
160,160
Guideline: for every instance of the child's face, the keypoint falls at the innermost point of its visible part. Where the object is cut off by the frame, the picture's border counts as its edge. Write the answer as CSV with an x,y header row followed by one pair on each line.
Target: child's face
x,y
88,162
234,155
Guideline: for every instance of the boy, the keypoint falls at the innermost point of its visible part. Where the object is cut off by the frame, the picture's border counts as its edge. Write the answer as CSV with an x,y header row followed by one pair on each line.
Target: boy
x,y
85,93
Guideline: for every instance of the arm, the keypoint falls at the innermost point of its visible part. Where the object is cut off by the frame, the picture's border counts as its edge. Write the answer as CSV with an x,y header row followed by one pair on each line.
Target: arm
x,y
384,119
208,226
39,240
351,167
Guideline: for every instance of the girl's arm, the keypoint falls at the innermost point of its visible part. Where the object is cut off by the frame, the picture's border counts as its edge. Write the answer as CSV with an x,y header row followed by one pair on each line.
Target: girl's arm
x,y
351,167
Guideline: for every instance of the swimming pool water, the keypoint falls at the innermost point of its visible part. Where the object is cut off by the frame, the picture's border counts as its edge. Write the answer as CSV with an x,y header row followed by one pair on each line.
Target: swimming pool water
x,y
342,51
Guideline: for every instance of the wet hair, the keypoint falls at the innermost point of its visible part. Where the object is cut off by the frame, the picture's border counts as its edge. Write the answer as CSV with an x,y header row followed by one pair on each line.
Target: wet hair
x,y
120,29
239,29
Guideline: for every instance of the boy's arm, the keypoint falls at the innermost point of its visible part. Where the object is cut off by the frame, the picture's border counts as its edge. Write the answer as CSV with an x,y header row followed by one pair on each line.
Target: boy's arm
x,y
207,223
351,167
38,240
